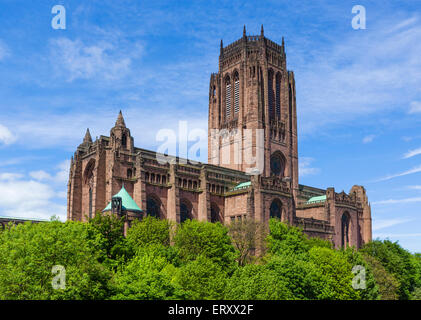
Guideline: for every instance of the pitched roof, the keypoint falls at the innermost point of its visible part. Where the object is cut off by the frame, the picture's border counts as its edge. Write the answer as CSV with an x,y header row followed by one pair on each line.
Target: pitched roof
x,y
317,199
128,203
242,185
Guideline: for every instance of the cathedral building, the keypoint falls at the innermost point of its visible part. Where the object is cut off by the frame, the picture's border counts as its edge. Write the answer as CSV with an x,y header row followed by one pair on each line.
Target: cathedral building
x,y
251,96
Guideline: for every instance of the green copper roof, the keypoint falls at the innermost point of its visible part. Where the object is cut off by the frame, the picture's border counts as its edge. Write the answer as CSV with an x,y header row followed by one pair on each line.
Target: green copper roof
x,y
317,199
242,185
127,202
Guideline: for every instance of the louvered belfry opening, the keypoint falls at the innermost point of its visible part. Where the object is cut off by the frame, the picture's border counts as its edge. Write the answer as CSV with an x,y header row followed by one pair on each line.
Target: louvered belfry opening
x,y
227,98
236,93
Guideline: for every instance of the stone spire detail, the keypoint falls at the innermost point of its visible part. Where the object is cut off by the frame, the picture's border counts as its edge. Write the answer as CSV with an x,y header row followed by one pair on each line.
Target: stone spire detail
x,y
244,31
120,121
262,32
87,138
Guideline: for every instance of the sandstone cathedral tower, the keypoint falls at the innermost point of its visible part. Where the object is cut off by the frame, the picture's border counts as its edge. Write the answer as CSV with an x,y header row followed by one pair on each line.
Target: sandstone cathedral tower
x,y
252,170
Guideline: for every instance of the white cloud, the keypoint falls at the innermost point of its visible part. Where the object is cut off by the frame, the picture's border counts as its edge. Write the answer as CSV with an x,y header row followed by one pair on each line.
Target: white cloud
x,y
6,136
398,201
40,175
7,176
4,50
38,195
75,60
369,138
405,173
415,107
361,74
414,187
59,177
304,168
412,153
396,236
381,224
29,199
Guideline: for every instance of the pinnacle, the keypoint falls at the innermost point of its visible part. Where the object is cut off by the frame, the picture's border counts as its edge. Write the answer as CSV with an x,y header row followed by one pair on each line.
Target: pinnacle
x,y
120,121
87,137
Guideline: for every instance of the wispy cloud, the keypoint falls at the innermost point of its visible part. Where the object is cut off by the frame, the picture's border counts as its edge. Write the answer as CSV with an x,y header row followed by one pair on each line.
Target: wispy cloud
x,y
398,201
396,235
6,136
305,168
412,153
74,59
415,107
382,224
4,50
405,173
369,138
361,75
38,195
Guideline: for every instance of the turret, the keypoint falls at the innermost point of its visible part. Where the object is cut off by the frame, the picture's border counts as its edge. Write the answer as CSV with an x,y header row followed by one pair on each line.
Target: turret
x,y
120,135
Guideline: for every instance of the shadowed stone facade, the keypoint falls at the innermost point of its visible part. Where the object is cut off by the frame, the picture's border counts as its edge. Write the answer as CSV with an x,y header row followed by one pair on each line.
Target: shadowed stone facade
x,y
252,91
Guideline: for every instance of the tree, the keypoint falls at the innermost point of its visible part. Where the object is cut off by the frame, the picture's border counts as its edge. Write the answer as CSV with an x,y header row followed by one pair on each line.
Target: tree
x,y
256,282
356,259
397,261
201,279
211,240
286,239
336,273
248,238
150,230
29,251
148,276
106,231
387,283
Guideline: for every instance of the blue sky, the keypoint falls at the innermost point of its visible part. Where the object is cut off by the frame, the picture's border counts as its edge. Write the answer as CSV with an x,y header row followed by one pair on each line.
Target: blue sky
x,y
358,91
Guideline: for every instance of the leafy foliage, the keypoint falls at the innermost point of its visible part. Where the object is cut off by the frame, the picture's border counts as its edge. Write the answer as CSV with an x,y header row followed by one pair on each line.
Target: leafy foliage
x,y
211,240
397,261
196,260
29,251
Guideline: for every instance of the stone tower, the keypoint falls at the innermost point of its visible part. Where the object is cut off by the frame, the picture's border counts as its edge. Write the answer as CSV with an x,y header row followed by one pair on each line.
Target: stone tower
x,y
254,90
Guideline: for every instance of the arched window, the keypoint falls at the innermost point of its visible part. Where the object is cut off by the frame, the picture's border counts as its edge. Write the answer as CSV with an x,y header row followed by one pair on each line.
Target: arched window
x,y
278,95
215,216
345,229
277,164
129,173
124,140
276,209
90,203
270,94
153,207
236,93
185,210
227,98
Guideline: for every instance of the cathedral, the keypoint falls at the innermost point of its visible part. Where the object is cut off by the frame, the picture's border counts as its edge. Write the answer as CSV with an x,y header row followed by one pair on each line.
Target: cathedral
x,y
251,96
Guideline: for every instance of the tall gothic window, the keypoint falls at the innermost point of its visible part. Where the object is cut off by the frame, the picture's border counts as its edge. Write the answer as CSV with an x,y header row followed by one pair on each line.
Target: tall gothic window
x,y
214,213
236,93
227,98
185,211
275,209
124,140
345,230
270,94
153,207
90,203
278,95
